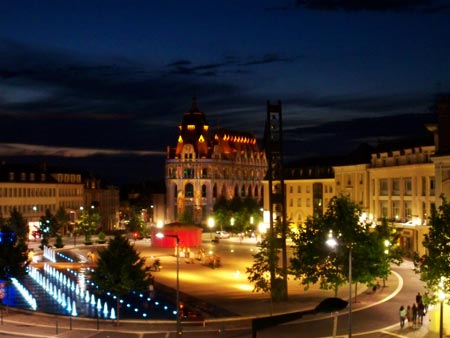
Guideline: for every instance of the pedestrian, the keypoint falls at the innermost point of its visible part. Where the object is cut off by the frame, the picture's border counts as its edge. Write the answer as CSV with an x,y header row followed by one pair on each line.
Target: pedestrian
x,y
402,313
409,315
418,298
420,313
414,314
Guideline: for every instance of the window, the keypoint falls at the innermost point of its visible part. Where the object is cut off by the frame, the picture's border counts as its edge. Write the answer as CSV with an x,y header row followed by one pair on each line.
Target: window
x,y
291,189
396,187
189,190
408,211
408,186
384,209
432,186
299,202
299,189
383,187
204,190
396,210
188,173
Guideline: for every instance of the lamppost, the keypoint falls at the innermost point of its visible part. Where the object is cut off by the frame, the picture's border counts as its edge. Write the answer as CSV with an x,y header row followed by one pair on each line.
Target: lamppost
x,y
210,225
177,245
332,242
441,295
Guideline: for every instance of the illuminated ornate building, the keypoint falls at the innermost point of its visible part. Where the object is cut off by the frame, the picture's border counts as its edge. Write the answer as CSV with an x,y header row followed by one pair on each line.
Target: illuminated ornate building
x,y
204,166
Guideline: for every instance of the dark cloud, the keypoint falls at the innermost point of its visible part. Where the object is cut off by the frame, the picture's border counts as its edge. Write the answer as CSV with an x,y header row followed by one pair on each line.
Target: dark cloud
x,y
375,5
187,67
342,137
358,104
268,58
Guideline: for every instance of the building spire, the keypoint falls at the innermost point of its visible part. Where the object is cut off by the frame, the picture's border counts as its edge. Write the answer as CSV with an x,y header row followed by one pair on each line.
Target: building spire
x,y
194,107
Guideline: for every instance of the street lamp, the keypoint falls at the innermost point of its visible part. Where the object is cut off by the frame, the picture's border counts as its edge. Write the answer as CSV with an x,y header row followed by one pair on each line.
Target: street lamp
x,y
210,225
177,245
332,242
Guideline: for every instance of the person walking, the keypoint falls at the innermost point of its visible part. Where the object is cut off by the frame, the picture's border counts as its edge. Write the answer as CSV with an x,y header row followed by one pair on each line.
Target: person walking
x,y
420,313
414,314
409,316
402,313
418,298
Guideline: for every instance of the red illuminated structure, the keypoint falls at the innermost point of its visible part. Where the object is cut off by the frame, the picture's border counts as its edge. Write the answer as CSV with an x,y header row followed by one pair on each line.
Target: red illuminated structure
x,y
189,235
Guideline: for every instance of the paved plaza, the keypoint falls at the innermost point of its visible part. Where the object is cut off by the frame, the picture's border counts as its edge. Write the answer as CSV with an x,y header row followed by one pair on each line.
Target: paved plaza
x,y
226,288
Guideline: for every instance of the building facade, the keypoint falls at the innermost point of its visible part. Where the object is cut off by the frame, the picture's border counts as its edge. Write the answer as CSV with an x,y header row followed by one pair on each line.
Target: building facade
x,y
32,190
205,166
400,183
106,199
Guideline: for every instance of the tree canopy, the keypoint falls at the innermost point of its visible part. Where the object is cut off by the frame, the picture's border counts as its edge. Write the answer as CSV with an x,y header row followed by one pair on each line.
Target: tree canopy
x,y
120,269
88,223
13,247
433,266
315,262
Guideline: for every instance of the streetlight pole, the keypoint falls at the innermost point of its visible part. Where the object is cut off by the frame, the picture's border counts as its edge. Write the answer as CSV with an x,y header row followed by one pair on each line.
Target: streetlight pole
x,y
441,295
177,246
331,242
350,291
211,226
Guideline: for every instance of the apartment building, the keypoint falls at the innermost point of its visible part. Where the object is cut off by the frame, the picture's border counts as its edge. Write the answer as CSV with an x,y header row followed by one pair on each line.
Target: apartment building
x,y
33,189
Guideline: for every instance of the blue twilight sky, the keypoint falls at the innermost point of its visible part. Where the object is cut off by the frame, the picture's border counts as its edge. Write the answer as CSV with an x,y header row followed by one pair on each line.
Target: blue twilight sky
x,y
102,85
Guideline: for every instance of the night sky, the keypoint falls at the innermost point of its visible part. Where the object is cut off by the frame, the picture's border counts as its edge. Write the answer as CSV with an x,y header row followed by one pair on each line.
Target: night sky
x,y
102,85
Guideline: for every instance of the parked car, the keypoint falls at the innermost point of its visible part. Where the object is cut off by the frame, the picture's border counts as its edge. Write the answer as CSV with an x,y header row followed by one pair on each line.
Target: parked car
x,y
222,234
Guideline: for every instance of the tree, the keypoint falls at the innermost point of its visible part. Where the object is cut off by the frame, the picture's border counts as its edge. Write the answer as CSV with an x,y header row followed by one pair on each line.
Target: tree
x,y
433,267
266,273
88,223
246,214
136,223
47,227
388,248
13,249
18,225
62,219
120,270
314,262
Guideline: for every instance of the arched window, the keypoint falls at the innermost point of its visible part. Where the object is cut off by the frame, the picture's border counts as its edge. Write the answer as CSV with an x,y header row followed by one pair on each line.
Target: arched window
x,y
189,190
204,190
